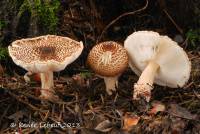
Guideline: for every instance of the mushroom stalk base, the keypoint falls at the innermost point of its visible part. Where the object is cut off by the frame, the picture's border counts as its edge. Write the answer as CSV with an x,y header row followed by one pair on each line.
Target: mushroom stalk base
x,y
145,83
111,84
47,84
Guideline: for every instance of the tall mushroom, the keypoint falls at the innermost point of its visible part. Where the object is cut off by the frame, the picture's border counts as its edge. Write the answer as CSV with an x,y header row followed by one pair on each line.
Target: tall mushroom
x,y
108,59
156,59
44,55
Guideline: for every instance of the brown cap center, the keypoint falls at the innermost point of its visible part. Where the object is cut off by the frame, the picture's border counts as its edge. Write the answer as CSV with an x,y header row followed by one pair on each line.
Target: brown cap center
x,y
46,52
108,47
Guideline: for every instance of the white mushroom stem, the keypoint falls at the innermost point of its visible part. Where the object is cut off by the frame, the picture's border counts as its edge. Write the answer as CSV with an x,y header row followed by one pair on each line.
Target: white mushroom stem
x,y
47,80
145,83
47,91
111,84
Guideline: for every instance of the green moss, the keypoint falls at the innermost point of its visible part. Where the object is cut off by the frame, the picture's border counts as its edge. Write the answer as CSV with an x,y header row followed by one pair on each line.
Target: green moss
x,y
44,10
2,24
193,37
86,74
47,12
3,53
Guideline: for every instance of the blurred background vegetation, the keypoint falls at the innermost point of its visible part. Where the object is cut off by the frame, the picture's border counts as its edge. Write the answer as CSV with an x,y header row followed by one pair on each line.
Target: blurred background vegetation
x,y
86,19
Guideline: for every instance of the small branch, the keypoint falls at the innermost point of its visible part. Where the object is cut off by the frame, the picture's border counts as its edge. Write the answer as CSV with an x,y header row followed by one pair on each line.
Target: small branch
x,y
4,113
171,19
119,17
163,6
196,94
24,102
187,118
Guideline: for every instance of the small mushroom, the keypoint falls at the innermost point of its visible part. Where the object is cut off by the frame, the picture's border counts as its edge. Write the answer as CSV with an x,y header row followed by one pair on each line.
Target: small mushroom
x,y
108,60
44,55
156,59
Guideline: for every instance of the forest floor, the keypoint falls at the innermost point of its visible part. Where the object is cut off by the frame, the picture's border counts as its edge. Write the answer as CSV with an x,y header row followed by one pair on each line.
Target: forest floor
x,y
84,107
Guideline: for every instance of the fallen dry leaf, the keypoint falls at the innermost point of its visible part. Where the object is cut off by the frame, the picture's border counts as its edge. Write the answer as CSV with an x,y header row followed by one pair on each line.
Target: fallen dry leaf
x,y
178,111
59,85
80,81
104,126
14,79
130,120
157,107
16,116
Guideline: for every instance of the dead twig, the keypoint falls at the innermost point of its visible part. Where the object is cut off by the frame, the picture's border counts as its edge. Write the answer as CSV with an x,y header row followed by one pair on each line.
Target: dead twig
x,y
175,115
196,94
39,99
172,20
110,116
4,113
163,6
119,17
188,85
24,102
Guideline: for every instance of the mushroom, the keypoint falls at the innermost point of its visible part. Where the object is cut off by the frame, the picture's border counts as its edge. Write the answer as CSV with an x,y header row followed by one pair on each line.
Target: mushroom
x,y
108,60
44,55
158,59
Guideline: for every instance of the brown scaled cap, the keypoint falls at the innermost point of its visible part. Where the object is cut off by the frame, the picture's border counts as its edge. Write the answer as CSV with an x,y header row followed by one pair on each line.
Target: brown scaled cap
x,y
49,52
108,59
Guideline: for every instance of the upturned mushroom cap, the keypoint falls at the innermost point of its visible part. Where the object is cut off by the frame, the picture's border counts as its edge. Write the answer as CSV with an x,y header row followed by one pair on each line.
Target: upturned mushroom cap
x,y
45,53
174,65
108,59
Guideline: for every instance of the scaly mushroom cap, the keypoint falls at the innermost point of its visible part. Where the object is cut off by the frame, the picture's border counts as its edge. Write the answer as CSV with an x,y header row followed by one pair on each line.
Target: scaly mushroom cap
x,y
108,59
45,53
174,65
